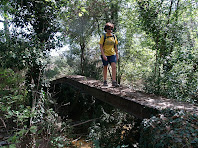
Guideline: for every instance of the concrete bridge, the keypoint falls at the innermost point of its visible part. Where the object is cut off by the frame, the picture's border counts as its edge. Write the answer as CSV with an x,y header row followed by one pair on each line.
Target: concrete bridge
x,y
136,103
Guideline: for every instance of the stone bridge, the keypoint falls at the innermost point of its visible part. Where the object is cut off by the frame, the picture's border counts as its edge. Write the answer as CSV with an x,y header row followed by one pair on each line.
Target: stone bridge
x,y
136,103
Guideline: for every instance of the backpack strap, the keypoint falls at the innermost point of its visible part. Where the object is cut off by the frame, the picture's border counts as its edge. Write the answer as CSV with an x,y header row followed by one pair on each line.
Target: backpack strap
x,y
107,37
104,38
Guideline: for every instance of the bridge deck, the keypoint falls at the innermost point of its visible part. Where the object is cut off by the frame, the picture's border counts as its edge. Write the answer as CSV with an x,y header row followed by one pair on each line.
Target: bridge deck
x,y
137,103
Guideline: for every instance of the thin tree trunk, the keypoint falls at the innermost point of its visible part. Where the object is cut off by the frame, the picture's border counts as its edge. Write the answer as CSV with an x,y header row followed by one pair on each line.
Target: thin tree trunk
x,y
82,57
119,73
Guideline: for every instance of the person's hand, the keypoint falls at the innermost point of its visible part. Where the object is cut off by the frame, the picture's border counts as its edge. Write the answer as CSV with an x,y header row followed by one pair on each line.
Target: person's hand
x,y
104,57
117,57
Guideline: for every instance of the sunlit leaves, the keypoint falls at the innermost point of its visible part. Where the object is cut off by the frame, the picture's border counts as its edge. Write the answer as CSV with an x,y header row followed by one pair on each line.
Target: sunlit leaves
x,y
167,23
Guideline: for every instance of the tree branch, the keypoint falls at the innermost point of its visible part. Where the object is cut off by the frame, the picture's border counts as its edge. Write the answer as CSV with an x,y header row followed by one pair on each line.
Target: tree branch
x,y
85,122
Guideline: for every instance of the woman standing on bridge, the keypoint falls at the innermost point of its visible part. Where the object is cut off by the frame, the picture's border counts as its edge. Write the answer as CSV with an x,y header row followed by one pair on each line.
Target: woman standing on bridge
x,y
109,52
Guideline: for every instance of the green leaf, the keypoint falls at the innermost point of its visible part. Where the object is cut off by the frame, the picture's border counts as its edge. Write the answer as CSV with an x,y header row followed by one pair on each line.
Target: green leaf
x,y
195,141
80,14
33,129
83,9
12,146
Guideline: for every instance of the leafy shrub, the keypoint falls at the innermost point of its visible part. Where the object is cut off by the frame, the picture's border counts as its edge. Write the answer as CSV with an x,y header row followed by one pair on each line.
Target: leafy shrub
x,y
115,129
179,82
21,124
170,129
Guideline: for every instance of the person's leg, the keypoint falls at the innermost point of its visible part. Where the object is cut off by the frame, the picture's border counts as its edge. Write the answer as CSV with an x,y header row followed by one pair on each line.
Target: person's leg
x,y
105,64
105,73
113,67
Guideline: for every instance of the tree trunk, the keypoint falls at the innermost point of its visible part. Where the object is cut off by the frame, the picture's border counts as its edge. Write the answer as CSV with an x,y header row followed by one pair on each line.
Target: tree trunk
x,y
119,72
82,59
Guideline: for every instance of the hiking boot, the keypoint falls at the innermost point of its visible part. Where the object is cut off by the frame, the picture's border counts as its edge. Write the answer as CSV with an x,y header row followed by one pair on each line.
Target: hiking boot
x,y
115,84
105,83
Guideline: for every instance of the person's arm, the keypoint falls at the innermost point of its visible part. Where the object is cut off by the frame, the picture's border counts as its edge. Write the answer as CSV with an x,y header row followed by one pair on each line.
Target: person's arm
x,y
102,52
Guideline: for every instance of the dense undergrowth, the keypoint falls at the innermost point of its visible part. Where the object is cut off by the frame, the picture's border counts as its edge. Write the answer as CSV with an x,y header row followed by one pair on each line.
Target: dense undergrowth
x,y
170,129
22,126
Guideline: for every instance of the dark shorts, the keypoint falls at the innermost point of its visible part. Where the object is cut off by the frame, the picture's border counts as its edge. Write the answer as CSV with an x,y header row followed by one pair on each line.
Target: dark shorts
x,y
110,59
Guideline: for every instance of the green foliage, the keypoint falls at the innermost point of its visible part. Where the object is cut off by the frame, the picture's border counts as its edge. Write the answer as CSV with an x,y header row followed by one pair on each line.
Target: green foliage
x,y
170,129
24,105
181,81
16,115
9,81
58,66
174,71
11,84
114,129
13,98
93,69
60,142
92,61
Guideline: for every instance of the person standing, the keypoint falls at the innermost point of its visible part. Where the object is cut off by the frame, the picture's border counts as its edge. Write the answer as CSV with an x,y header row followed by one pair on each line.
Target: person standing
x,y
109,53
